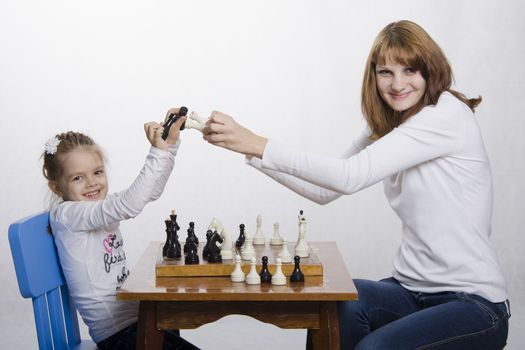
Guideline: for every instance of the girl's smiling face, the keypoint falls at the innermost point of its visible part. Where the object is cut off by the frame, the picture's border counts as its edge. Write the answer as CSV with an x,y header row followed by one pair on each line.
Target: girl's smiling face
x,y
400,86
84,176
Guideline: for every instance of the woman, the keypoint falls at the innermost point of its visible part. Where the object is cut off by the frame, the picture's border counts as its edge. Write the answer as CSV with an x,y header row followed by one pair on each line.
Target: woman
x,y
447,289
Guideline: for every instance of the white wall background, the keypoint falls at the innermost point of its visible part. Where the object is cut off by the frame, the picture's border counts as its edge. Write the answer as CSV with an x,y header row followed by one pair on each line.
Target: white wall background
x,y
290,70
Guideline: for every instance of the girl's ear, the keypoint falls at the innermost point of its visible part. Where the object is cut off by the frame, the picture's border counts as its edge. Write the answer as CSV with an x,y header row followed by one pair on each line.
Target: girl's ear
x,y
53,186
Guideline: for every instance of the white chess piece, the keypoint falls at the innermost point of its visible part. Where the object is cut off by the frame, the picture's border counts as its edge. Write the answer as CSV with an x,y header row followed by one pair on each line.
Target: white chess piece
x,y
278,278
245,244
227,244
284,254
249,252
253,277
302,248
276,238
237,275
259,239
193,121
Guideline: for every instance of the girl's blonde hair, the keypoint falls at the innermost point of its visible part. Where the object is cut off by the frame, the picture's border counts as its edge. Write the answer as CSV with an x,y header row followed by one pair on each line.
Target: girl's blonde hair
x,y
406,43
67,142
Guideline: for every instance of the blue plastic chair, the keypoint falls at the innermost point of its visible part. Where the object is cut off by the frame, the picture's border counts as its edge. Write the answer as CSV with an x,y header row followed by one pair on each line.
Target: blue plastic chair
x,y
40,277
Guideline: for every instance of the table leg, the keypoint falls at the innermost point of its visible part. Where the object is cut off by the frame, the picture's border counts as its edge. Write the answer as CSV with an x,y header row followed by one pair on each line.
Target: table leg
x,y
149,337
327,336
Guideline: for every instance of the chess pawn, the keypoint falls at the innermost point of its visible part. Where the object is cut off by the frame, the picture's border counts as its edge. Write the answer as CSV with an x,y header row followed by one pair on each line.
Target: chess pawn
x,y
259,239
192,257
276,238
242,238
237,275
278,278
284,254
297,274
168,223
253,277
249,251
266,276
302,248
191,234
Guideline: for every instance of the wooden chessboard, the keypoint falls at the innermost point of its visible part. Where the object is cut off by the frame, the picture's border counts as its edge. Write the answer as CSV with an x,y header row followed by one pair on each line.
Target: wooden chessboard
x,y
310,266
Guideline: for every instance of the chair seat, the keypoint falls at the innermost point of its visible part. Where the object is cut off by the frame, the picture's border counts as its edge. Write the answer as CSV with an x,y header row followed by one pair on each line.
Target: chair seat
x,y
86,344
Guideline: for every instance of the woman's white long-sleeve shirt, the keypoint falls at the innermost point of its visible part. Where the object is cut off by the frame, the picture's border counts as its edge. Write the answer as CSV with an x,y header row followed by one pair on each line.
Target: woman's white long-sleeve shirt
x,y
90,246
437,178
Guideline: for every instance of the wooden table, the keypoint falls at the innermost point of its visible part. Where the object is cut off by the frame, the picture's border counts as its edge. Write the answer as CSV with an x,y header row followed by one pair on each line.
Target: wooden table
x,y
190,302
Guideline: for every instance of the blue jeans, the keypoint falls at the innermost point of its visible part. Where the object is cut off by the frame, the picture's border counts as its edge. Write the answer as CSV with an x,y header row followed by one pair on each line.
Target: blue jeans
x,y
126,339
388,316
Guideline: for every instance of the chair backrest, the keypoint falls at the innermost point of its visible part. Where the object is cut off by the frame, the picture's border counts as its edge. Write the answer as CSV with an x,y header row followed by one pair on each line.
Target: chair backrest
x,y
40,277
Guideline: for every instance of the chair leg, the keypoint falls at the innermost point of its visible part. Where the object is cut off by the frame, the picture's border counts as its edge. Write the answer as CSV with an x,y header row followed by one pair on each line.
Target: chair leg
x,y
309,342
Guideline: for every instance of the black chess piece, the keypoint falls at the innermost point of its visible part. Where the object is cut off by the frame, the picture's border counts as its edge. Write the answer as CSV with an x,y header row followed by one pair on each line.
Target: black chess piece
x,y
266,276
240,240
215,251
168,223
174,251
192,257
172,119
297,274
206,249
192,226
191,234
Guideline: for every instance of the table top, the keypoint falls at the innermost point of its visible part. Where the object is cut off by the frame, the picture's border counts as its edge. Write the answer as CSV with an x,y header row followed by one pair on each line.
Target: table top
x,y
335,284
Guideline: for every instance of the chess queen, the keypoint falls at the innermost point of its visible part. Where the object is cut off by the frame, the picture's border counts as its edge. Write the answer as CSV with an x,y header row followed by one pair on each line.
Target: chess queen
x,y
423,142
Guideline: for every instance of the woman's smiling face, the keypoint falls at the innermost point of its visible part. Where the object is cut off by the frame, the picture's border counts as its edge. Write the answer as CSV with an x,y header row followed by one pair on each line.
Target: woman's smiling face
x,y
400,86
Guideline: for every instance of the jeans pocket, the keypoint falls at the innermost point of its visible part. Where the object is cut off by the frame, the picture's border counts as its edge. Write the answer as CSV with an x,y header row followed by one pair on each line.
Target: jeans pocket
x,y
492,311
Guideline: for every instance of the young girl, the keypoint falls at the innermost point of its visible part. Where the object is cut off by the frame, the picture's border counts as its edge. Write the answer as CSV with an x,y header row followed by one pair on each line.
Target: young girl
x,y
85,225
447,289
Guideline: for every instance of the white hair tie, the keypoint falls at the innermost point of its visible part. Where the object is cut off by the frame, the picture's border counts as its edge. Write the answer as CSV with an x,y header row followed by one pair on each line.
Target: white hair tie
x,y
52,145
